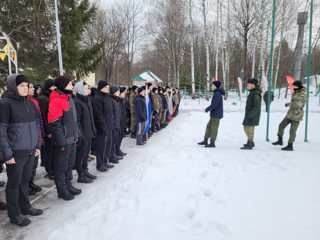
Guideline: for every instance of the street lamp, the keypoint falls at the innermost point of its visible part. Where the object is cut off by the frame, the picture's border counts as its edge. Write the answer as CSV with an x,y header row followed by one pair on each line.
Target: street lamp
x,y
58,38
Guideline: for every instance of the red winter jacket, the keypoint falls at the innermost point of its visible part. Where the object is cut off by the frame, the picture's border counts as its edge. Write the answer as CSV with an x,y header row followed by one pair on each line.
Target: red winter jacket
x,y
62,119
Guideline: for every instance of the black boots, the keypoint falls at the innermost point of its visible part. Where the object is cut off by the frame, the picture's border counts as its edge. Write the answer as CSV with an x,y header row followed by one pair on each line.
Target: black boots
x,y
288,148
33,188
279,142
89,175
32,212
3,206
73,190
65,195
20,221
249,146
121,154
204,142
211,145
82,178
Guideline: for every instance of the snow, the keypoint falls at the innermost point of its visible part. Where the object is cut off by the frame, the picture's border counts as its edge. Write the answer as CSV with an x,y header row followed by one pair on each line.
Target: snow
x,y
173,189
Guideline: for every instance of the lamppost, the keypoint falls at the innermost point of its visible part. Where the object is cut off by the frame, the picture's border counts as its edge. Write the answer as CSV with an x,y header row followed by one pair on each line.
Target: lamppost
x,y
270,72
58,33
309,70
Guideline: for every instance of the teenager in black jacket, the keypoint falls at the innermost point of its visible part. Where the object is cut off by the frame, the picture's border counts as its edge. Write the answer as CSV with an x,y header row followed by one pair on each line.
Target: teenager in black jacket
x,y
62,120
87,131
19,144
46,148
103,118
124,122
141,114
116,126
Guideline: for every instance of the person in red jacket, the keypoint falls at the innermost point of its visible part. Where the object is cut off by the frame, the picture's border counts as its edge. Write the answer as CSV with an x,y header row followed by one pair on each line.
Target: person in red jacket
x,y
62,120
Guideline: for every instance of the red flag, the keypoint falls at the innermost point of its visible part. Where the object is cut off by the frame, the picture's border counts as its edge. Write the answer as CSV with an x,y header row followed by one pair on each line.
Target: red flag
x,y
290,80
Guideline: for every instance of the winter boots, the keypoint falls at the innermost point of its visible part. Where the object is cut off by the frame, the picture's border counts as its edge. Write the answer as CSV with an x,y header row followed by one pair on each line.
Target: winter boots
x,y
204,142
20,221
249,146
33,188
32,212
211,145
65,195
288,148
279,142
84,179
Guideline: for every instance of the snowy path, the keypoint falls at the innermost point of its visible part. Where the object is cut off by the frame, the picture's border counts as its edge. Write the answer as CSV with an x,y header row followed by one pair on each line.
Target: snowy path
x,y
172,189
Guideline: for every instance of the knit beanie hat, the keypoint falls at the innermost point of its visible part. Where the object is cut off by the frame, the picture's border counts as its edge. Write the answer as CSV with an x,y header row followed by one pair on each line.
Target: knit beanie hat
x,y
21,79
253,81
114,89
102,84
298,84
62,82
217,84
141,89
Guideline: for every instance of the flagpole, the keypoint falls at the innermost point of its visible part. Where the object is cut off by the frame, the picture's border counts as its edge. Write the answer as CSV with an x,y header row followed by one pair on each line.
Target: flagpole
x,y
309,64
270,73
58,38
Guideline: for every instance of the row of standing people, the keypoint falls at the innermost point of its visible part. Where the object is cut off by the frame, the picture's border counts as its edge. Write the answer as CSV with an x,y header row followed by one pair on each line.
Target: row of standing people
x,y
251,120
65,122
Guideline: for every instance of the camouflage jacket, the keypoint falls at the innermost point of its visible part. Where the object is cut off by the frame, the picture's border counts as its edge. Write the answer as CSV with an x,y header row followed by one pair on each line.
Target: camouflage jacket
x,y
298,101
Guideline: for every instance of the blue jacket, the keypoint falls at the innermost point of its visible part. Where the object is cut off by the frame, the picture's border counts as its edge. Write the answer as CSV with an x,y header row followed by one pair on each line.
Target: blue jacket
x,y
216,107
141,109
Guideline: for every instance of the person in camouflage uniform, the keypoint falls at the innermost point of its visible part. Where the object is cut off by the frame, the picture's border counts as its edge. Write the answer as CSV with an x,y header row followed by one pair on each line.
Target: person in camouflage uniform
x,y
293,117
156,110
133,122
252,113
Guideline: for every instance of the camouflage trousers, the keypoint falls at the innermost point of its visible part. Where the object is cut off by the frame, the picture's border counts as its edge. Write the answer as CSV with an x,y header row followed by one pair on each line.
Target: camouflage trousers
x,y
249,131
212,129
293,129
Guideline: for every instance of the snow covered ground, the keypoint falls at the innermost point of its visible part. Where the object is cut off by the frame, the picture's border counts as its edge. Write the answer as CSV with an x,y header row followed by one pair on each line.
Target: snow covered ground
x,y
173,189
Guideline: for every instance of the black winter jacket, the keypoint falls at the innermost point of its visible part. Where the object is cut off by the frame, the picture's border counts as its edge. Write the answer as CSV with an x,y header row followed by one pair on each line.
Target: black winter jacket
x,y
19,128
141,109
103,113
117,112
87,129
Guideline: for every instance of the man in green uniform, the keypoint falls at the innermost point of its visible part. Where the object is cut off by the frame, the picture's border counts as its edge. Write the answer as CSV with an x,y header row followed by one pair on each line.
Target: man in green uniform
x,y
252,112
293,117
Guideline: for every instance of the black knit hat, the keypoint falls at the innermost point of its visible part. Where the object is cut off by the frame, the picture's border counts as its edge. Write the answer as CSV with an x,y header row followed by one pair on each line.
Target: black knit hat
x,y
141,89
62,82
253,81
298,84
134,88
21,79
114,89
123,89
102,84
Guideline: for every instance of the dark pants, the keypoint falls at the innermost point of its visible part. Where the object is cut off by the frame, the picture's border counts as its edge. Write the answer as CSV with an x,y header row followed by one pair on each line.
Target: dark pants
x,y
34,169
140,132
156,122
47,156
116,138
103,149
83,150
64,158
17,190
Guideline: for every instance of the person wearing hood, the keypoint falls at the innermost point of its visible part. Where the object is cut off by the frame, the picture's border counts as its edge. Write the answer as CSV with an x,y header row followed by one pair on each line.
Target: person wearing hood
x,y
116,126
46,148
19,144
216,114
141,114
87,131
252,113
294,116
103,118
62,123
